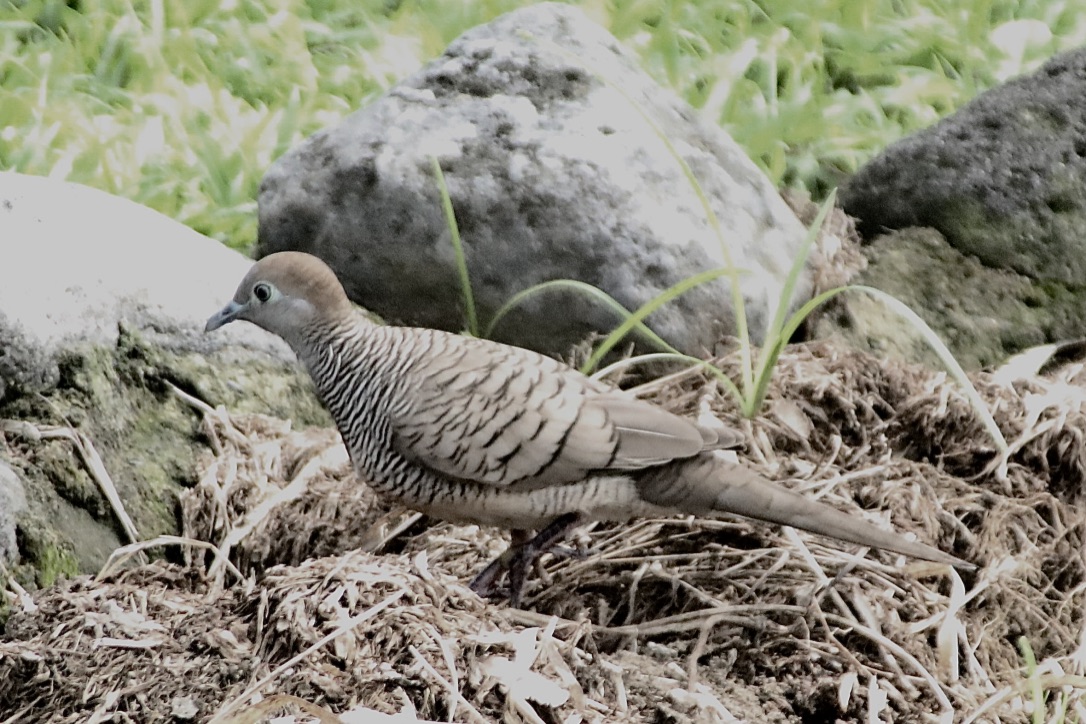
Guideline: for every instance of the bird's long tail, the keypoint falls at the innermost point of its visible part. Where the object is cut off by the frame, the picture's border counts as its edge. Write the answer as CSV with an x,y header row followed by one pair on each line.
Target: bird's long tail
x,y
706,483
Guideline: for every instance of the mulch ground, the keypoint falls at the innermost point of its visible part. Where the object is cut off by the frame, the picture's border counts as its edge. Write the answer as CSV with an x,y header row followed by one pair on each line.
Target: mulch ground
x,y
298,595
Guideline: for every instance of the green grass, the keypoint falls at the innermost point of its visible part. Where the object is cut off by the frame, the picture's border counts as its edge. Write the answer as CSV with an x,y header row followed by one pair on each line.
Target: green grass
x,y
183,104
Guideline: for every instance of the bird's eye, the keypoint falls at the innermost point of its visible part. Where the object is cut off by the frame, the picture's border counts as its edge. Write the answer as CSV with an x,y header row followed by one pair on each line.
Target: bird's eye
x,y
262,292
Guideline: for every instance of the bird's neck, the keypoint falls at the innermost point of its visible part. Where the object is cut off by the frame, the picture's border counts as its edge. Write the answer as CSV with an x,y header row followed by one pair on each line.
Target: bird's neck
x,y
337,350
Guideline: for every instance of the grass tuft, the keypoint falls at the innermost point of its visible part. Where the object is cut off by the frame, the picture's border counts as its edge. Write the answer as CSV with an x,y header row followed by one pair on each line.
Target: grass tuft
x,y
458,250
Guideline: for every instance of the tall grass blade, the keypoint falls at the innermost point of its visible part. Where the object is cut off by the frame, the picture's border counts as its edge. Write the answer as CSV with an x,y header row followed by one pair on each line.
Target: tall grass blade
x,y
581,288
781,328
1033,681
648,308
742,332
458,249
945,356
709,367
930,337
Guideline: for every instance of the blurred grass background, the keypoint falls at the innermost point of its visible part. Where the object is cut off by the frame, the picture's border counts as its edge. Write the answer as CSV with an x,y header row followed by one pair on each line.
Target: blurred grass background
x,y
182,104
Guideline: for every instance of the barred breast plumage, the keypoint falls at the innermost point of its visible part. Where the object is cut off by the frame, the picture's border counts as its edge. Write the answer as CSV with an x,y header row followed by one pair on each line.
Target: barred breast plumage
x,y
469,429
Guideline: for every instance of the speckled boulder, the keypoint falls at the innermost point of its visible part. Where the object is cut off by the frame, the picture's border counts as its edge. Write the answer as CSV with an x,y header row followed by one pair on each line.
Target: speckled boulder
x,y
562,159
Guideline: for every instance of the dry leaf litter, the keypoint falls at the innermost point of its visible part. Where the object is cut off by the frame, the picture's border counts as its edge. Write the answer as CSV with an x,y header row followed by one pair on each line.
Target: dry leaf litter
x,y
297,596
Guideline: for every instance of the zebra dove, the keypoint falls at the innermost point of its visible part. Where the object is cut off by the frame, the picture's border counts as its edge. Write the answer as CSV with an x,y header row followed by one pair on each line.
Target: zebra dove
x,y
471,430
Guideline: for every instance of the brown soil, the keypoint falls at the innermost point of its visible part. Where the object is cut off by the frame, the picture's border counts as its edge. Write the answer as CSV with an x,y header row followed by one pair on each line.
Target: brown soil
x,y
317,600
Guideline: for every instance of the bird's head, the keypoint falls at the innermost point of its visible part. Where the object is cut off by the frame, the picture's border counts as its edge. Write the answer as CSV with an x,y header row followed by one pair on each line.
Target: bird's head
x,y
286,293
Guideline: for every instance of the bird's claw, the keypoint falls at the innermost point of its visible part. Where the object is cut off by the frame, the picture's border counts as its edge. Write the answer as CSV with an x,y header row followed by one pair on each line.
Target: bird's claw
x,y
518,559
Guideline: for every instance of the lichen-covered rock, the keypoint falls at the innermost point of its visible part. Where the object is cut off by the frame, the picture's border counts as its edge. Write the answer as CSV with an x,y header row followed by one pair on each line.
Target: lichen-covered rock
x,y
563,159
102,307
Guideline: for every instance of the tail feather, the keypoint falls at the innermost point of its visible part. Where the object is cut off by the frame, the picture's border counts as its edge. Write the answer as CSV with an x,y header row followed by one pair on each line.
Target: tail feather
x,y
731,488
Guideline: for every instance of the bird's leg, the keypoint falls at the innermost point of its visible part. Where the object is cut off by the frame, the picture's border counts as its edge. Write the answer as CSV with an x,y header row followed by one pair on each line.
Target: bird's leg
x,y
485,583
521,554
528,553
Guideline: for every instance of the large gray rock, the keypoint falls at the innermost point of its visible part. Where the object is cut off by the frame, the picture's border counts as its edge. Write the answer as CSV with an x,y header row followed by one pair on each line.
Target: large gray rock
x,y
1004,178
102,303
560,156
79,263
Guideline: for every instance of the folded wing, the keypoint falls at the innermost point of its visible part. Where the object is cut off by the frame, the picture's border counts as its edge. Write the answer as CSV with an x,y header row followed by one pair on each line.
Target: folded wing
x,y
507,416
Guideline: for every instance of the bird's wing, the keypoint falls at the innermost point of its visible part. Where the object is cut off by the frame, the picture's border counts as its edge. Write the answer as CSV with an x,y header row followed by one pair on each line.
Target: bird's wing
x,y
476,410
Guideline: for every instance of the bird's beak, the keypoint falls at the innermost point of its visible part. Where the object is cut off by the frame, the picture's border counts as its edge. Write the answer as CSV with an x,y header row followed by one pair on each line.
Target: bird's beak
x,y
224,316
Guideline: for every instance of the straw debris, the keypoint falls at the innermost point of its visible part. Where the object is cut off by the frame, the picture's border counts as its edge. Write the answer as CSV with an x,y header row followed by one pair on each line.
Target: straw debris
x,y
298,593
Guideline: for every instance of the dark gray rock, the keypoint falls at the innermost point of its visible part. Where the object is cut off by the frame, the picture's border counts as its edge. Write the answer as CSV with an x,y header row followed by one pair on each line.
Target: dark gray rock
x,y
12,504
1004,178
560,156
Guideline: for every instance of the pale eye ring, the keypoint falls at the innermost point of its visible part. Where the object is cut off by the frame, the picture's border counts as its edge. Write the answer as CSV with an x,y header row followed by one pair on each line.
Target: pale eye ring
x,y
262,292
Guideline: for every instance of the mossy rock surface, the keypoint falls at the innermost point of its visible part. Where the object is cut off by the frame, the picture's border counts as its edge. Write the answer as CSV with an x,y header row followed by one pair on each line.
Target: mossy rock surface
x,y
96,335
149,439
984,315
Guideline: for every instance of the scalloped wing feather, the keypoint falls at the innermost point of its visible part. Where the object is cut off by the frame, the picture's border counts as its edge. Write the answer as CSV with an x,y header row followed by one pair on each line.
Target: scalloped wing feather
x,y
505,416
